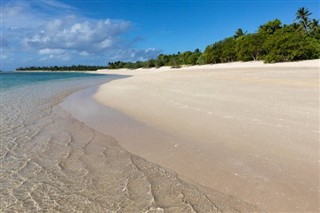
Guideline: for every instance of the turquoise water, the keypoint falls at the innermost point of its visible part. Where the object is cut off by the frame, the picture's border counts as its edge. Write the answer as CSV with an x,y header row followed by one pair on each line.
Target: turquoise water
x,y
50,162
19,79
35,135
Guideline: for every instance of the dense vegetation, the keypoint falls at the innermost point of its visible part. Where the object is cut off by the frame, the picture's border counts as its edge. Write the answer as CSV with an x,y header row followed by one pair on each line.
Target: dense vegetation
x,y
62,68
174,60
272,42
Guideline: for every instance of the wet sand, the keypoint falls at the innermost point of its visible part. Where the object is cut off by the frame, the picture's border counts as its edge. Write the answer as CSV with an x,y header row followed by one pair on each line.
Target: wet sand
x,y
122,127
251,132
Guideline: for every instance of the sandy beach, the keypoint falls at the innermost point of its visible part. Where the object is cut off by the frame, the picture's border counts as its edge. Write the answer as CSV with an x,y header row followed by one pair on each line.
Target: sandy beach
x,y
250,130
160,106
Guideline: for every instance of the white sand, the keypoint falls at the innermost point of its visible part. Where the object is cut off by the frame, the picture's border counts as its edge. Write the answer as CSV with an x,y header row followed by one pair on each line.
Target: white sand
x,y
251,64
246,129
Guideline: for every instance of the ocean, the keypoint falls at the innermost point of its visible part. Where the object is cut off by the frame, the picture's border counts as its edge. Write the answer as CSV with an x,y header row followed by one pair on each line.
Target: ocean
x,y
28,151
51,162
19,79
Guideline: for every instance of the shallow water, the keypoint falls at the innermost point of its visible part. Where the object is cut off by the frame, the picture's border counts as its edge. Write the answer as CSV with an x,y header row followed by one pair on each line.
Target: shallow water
x,y
21,79
51,162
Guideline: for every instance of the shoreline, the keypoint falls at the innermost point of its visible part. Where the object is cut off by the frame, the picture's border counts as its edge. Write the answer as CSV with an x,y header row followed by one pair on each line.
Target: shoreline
x,y
53,162
122,128
238,64
66,71
126,97
249,64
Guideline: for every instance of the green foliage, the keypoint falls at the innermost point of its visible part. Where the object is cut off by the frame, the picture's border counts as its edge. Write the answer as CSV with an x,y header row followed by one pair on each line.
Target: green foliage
x,y
221,52
62,68
212,53
189,58
149,64
250,47
183,58
302,16
239,33
315,28
291,46
174,60
162,60
228,53
201,60
270,27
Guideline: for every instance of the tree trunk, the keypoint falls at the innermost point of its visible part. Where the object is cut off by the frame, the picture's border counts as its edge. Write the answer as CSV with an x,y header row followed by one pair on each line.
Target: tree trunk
x,y
253,57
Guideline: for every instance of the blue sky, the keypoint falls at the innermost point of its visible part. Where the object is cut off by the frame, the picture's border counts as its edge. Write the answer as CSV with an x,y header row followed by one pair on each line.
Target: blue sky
x,y
66,32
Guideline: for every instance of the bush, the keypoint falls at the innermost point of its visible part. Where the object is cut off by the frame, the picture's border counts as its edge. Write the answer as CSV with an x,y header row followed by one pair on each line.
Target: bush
x,y
291,46
251,47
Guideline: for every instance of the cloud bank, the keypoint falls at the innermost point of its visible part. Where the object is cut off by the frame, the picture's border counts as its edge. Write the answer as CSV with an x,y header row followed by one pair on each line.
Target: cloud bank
x,y
51,32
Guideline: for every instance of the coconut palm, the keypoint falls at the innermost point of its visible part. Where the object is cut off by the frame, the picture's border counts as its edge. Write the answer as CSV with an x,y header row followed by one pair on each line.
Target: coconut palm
x,y
314,27
239,33
302,16
314,24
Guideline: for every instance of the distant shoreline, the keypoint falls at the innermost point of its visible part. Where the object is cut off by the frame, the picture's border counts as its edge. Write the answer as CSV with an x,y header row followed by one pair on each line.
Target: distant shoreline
x,y
239,64
55,71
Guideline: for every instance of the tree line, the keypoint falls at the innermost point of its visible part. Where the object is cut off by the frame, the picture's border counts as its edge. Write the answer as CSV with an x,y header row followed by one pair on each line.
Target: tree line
x,y
272,42
62,68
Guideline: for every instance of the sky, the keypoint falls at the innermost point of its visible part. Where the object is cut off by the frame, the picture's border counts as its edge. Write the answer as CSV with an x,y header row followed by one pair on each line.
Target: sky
x,y
67,32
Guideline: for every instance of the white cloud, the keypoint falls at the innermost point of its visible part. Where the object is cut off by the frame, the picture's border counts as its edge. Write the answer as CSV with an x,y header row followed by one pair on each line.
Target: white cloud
x,y
17,15
147,54
51,51
56,31
106,43
84,53
135,55
55,4
70,33
2,56
63,56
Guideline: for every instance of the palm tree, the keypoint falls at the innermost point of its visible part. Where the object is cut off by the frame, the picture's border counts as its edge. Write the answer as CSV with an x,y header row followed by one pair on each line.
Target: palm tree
x,y
239,33
302,16
314,26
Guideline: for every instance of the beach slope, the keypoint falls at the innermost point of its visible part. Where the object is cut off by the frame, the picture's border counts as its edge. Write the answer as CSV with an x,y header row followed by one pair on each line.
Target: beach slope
x,y
246,129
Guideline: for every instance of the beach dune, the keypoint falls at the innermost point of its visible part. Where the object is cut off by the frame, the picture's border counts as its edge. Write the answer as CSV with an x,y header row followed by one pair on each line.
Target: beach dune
x,y
249,130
